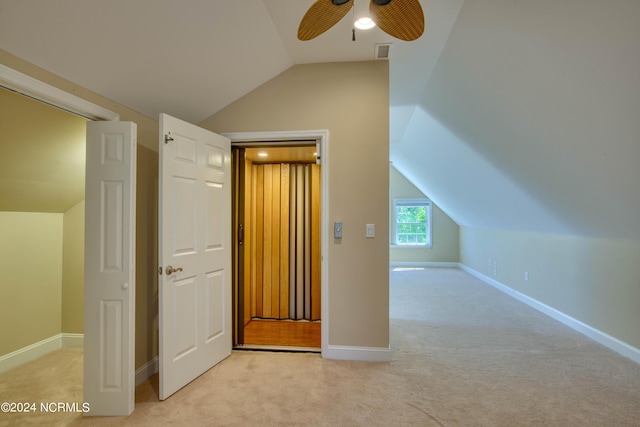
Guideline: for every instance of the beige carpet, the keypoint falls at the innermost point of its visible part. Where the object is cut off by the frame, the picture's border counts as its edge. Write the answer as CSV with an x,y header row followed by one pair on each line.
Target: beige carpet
x,y
464,355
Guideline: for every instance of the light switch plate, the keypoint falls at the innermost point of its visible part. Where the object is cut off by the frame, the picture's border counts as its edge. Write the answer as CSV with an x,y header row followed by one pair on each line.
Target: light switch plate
x,y
371,231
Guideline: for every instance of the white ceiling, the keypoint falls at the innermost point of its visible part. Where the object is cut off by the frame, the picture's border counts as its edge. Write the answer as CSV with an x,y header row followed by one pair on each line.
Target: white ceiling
x,y
517,115
531,119
190,58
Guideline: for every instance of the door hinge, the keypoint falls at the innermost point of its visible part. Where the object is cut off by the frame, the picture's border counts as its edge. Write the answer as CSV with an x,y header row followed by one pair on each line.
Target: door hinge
x,y
160,270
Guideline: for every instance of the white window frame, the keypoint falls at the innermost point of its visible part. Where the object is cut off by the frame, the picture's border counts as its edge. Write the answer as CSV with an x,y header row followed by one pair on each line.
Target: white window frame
x,y
413,202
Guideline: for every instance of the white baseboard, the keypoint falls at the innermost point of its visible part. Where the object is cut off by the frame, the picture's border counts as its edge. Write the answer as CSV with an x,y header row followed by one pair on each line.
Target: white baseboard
x,y
598,336
366,354
39,349
401,264
56,342
146,371
72,340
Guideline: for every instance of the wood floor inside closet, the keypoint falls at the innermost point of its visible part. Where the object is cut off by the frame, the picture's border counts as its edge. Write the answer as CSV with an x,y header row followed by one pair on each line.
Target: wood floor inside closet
x,y
282,333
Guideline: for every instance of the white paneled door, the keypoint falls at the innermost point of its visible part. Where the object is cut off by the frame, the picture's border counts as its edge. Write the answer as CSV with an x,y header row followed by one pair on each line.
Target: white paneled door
x,y
109,290
194,252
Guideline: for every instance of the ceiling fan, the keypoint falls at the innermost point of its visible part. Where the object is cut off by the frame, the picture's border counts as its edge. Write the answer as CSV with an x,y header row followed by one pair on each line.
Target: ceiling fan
x,y
402,19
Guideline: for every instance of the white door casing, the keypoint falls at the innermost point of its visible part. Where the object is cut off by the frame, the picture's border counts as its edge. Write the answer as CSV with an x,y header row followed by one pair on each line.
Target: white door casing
x,y
195,241
109,290
322,138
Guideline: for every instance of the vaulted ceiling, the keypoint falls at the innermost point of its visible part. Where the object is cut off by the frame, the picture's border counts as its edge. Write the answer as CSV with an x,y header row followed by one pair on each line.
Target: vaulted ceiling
x,y
531,119
516,115
191,58
42,156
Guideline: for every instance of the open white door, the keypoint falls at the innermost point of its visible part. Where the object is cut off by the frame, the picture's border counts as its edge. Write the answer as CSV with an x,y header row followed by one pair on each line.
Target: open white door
x,y
195,252
109,287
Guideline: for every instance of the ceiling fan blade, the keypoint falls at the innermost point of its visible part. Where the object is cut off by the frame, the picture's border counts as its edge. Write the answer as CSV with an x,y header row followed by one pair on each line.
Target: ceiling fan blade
x,y
321,16
402,19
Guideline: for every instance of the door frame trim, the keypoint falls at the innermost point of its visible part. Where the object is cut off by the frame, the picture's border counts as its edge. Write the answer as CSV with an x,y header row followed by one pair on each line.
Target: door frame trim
x,y
44,92
322,139
39,90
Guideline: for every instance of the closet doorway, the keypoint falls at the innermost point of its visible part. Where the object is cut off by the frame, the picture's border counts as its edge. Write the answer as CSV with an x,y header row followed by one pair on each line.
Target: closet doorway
x,y
277,251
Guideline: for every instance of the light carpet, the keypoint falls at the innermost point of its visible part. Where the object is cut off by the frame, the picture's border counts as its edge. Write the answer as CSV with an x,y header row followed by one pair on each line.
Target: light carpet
x,y
464,354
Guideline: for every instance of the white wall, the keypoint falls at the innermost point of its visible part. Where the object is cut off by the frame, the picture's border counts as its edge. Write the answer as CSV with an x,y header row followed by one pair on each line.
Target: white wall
x,y
468,188
527,135
547,94
595,281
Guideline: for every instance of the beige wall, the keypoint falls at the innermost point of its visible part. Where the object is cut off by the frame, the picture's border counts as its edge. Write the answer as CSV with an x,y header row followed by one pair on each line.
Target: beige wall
x,y
146,256
146,221
444,234
351,100
592,280
73,270
31,279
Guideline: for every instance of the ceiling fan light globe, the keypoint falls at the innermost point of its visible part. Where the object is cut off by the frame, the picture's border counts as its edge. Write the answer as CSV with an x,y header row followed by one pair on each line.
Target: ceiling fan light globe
x,y
364,23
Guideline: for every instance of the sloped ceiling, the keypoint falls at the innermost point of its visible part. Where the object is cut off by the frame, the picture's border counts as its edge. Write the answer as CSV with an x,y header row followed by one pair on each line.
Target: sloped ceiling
x,y
516,115
190,58
531,119
42,156
186,58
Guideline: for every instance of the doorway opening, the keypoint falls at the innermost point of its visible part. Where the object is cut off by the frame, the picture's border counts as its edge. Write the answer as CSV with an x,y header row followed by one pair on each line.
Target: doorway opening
x,y
42,227
277,249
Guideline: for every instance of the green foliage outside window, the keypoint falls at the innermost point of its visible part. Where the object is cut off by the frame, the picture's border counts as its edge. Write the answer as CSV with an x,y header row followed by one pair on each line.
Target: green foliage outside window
x,y
412,224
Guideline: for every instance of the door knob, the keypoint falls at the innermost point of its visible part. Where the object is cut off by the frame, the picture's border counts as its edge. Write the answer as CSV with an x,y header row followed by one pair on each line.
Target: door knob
x,y
171,270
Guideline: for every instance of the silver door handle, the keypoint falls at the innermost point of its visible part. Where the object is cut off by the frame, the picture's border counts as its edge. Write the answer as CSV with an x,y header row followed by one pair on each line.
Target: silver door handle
x,y
171,270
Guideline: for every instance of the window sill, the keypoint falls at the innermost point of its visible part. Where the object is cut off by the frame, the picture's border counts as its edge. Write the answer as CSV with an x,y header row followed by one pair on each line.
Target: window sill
x,y
393,246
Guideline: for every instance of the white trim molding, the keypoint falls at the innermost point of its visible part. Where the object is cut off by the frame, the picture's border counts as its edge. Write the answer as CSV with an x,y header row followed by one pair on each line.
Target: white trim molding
x,y
435,264
147,370
72,340
598,336
366,354
26,85
39,349
322,142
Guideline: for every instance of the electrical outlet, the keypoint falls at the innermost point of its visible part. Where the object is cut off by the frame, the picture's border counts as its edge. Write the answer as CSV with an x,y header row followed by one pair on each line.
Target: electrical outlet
x,y
526,276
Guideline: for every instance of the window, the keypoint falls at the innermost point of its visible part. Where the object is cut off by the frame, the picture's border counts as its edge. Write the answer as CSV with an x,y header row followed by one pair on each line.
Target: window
x,y
412,222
